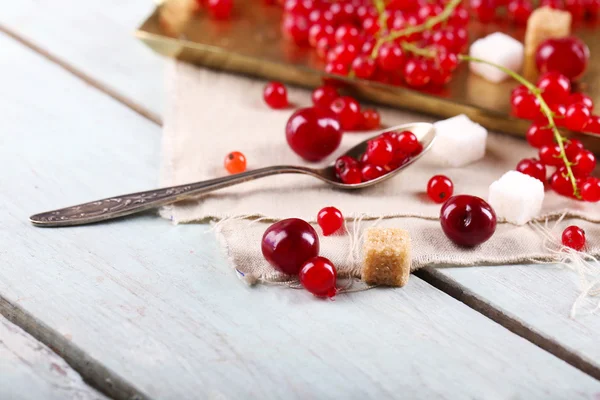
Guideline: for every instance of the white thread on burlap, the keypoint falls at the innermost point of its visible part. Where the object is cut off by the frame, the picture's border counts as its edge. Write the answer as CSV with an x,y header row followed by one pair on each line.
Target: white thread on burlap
x,y
585,265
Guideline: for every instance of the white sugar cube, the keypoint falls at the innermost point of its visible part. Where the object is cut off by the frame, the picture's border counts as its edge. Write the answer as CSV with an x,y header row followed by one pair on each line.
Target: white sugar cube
x,y
500,49
458,141
516,197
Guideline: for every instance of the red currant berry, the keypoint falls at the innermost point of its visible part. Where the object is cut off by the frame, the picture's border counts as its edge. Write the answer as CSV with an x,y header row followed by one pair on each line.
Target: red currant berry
x,y
560,183
343,53
313,133
439,188
347,111
344,162
288,244
583,99
460,17
295,28
440,76
590,190
275,95
593,124
484,10
219,9
380,151
525,105
448,61
299,7
324,45
555,87
519,11
576,8
416,73
584,163
363,67
533,168
351,175
574,237
347,33
318,31
568,56
235,162
467,220
318,275
592,9
370,119
539,135
371,171
577,117
390,57
572,148
323,96
408,142
336,68
330,220
550,155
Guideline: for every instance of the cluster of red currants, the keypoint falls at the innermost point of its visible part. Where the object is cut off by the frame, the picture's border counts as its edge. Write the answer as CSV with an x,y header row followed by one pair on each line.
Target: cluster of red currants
x,y
384,154
345,33
570,110
518,11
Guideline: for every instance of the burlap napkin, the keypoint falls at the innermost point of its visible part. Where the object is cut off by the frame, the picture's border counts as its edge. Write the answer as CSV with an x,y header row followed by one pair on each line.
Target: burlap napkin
x,y
210,114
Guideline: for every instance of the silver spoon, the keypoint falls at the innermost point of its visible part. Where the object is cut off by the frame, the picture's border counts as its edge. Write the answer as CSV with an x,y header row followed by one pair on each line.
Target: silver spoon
x,y
119,206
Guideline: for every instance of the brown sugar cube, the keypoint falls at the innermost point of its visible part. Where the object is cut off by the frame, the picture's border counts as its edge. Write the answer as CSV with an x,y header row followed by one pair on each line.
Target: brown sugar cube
x,y
387,258
175,14
544,23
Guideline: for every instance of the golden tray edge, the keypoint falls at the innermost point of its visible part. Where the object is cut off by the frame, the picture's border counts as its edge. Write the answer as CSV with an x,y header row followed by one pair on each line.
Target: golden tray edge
x,y
223,59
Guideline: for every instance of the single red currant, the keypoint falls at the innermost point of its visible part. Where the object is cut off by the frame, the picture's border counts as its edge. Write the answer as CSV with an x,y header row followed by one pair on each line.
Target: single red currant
x,y
467,220
351,175
525,105
550,155
318,275
448,61
555,87
288,244
380,151
344,162
219,9
347,110
390,57
370,119
313,133
408,143
347,33
590,190
371,171
576,8
582,98
574,237
583,163
519,11
572,148
318,31
568,56
533,168
330,219
539,135
560,183
323,96
439,188
577,117
484,10
363,67
416,72
593,124
235,162
275,95
295,27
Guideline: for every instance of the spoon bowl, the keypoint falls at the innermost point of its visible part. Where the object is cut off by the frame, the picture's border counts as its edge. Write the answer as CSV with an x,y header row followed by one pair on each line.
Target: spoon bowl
x,y
119,206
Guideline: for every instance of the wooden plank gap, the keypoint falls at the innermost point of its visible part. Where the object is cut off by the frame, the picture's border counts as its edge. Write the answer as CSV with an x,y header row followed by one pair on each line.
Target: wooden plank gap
x,y
144,112
91,371
516,326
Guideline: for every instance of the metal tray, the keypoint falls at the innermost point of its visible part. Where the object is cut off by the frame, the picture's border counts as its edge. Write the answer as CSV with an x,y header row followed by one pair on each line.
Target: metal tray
x,y
251,43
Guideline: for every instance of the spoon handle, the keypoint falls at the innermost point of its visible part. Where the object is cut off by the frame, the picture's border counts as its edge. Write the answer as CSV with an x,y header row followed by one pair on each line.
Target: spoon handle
x,y
119,206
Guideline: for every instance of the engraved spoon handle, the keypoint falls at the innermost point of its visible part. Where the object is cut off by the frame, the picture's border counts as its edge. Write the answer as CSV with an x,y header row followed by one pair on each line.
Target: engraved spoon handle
x,y
119,206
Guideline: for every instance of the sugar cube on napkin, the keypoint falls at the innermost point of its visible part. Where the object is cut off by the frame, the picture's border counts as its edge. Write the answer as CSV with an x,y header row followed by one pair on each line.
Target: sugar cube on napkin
x,y
459,141
387,256
516,197
500,49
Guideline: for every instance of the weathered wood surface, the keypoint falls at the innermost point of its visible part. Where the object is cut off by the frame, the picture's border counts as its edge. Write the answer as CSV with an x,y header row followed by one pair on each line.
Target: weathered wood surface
x,y
30,371
156,303
97,39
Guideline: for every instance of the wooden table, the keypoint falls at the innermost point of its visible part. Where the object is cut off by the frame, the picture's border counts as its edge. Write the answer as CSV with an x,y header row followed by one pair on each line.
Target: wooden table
x,y
140,308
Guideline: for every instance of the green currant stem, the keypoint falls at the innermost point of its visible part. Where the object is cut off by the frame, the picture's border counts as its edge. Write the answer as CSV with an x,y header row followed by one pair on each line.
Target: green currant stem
x,y
381,21
420,51
560,140
428,24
